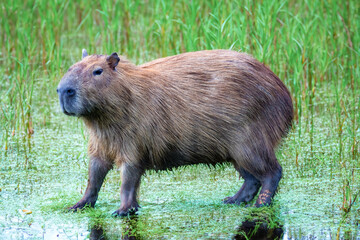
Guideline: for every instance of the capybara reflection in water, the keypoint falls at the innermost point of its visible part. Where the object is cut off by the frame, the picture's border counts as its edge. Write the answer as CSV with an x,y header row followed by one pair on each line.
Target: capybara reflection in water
x,y
198,107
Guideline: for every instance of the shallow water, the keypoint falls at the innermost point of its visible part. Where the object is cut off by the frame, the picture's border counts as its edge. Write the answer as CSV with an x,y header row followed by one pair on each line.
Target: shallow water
x,y
130,229
181,204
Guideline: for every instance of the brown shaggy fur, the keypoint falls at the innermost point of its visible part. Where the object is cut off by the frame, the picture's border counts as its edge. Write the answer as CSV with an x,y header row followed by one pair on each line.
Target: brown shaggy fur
x,y
198,107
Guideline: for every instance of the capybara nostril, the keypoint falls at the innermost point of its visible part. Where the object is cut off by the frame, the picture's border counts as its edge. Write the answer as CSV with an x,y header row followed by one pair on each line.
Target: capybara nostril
x,y
69,92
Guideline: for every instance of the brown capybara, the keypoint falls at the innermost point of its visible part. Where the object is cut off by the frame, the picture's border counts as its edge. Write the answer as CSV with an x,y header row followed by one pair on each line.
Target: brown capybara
x,y
197,107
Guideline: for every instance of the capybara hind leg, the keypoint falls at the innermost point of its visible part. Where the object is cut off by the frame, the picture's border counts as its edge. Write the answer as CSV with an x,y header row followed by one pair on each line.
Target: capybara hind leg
x,y
97,173
130,182
247,191
269,185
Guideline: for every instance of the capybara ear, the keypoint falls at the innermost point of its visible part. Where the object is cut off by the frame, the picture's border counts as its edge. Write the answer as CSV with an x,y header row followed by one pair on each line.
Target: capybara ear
x,y
84,53
113,60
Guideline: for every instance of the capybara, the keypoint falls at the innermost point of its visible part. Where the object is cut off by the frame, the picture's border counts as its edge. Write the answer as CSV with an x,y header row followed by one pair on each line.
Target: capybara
x,y
199,107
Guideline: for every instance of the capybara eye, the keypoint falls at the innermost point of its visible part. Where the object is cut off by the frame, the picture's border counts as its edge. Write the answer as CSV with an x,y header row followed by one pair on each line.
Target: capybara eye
x,y
97,72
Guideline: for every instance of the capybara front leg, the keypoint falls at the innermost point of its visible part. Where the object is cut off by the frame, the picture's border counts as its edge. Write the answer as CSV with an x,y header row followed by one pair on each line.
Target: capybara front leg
x,y
97,173
269,185
130,182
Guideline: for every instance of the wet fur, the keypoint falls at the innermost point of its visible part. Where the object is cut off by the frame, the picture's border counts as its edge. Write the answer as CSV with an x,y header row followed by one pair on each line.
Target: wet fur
x,y
199,107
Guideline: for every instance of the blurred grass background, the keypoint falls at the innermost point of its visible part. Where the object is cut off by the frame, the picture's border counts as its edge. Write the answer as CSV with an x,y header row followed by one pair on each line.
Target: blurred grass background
x,y
313,46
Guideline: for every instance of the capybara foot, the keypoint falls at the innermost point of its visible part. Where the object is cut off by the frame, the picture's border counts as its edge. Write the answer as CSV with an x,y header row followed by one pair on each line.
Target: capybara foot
x,y
124,212
233,200
264,199
228,200
259,205
81,205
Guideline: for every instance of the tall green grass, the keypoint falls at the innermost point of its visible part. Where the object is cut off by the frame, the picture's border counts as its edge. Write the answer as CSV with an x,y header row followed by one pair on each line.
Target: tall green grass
x,y
313,46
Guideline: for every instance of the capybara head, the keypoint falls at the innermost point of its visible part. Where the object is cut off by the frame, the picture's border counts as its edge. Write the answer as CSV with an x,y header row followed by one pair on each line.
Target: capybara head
x,y
80,86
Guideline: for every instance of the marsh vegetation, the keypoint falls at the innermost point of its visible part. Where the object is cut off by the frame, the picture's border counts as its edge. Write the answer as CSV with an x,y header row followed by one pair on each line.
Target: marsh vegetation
x,y
313,46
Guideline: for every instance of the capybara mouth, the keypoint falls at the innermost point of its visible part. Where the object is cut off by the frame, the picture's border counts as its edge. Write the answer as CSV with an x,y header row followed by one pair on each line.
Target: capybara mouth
x,y
68,113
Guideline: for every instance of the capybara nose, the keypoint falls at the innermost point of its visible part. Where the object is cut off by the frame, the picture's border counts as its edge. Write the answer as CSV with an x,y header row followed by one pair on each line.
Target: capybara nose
x,y
69,92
